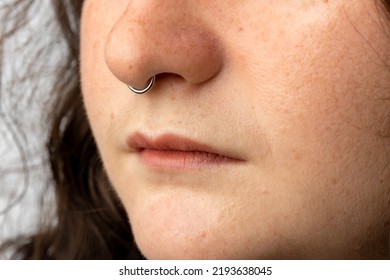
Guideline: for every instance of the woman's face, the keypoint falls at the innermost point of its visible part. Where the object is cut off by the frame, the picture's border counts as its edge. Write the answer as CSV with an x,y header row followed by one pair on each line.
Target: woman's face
x,y
264,134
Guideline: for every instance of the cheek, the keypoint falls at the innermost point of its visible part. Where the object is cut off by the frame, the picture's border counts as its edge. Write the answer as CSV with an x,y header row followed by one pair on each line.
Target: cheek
x,y
321,106
98,83
318,94
91,62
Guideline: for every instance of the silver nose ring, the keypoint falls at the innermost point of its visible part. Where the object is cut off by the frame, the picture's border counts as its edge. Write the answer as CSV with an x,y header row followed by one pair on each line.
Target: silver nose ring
x,y
145,90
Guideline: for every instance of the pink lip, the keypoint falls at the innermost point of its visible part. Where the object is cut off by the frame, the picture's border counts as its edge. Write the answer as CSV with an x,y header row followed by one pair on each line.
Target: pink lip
x,y
176,152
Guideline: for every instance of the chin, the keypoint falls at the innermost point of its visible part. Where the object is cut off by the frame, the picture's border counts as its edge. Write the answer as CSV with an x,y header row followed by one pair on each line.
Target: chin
x,y
162,232
163,239
168,248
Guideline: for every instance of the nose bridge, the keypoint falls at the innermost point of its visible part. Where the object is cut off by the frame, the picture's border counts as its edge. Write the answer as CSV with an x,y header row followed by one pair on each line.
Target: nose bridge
x,y
156,37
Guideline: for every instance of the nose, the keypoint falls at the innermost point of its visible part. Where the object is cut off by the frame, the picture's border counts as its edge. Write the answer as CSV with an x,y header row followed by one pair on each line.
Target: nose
x,y
162,36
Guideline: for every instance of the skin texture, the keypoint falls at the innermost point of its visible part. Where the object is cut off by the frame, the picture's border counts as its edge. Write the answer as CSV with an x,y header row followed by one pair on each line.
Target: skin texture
x,y
297,89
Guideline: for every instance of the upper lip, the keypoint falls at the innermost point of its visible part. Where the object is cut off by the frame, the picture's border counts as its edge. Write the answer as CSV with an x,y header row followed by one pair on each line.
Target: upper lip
x,y
171,142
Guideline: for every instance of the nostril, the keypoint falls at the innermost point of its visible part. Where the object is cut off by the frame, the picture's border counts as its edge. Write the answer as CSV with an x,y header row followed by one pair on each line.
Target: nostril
x,y
169,80
168,76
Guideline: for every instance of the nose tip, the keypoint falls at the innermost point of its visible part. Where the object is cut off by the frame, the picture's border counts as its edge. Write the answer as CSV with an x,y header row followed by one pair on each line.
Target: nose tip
x,y
127,60
145,42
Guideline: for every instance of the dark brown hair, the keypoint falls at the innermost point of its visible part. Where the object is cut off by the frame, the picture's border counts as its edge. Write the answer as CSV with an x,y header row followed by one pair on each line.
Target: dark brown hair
x,y
90,221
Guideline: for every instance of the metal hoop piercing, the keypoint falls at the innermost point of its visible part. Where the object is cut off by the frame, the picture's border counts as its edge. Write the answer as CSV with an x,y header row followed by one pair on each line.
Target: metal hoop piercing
x,y
145,90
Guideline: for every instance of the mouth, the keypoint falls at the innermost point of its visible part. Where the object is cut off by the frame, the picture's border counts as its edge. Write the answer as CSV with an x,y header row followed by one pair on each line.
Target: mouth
x,y
169,151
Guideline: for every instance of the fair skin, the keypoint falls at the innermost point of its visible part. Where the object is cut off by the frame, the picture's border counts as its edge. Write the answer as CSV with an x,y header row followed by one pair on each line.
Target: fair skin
x,y
291,93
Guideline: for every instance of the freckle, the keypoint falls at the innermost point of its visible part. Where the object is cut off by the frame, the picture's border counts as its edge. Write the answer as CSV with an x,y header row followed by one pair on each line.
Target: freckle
x,y
297,155
325,1
334,181
264,192
202,236
240,29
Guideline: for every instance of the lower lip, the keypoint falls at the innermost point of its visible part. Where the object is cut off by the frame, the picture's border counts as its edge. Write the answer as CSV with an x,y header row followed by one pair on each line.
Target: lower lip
x,y
171,159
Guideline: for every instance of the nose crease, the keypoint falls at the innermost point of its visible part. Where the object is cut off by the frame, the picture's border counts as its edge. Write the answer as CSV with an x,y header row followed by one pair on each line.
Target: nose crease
x,y
147,42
